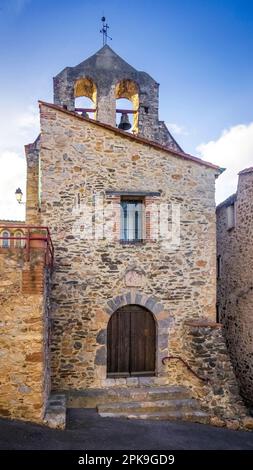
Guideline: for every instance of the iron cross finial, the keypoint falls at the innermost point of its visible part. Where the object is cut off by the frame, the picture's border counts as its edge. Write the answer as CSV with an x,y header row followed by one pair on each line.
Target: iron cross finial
x,y
104,30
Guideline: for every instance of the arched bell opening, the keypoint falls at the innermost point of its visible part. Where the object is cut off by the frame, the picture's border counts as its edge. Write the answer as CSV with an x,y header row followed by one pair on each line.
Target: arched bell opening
x,y
85,93
127,105
131,342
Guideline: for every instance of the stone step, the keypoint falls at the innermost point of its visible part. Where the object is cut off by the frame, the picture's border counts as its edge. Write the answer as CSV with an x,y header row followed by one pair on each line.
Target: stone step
x,y
91,398
149,407
193,416
55,415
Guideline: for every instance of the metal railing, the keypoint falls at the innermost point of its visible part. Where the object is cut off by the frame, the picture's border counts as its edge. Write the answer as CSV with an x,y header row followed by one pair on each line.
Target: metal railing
x,y
27,242
94,110
179,358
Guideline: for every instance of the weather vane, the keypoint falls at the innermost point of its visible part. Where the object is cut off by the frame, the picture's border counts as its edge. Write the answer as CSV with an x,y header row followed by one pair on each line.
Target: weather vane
x,y
104,30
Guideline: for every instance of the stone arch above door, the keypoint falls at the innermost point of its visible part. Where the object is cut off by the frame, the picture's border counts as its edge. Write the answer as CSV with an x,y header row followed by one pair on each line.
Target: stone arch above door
x,y
137,298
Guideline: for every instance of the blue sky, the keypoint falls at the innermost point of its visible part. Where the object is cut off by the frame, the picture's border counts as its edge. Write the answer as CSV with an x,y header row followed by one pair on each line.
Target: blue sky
x,y
200,51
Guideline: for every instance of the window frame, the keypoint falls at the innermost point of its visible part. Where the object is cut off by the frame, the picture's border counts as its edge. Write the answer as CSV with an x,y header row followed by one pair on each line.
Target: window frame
x,y
5,239
141,230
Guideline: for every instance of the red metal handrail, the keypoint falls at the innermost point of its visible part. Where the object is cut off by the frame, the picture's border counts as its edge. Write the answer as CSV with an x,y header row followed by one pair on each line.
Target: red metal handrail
x,y
28,236
179,358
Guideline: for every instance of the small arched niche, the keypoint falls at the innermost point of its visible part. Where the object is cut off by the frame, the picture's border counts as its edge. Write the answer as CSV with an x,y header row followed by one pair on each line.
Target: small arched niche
x,y
85,93
127,98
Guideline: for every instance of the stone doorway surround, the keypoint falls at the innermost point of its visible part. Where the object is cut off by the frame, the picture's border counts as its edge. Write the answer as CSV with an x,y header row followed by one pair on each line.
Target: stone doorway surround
x,y
163,321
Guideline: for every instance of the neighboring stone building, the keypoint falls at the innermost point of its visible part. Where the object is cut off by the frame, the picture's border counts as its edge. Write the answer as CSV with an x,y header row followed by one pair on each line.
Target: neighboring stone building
x,y
235,278
132,219
24,300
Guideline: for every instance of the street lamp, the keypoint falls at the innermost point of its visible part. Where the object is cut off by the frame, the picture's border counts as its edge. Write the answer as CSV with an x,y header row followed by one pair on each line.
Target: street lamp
x,y
19,195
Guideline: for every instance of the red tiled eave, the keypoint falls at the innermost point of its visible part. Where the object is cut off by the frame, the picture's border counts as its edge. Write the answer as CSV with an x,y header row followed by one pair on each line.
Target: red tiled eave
x,y
141,140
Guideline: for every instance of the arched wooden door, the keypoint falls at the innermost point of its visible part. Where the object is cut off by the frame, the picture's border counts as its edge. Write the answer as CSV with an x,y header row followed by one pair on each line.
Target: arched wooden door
x,y
131,339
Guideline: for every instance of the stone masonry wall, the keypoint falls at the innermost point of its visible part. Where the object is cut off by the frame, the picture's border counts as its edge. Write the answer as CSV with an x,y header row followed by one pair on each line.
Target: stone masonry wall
x,y
79,159
235,285
202,345
24,355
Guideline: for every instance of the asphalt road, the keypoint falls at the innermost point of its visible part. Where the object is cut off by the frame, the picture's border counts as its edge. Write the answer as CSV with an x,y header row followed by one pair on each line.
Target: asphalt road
x,y
86,430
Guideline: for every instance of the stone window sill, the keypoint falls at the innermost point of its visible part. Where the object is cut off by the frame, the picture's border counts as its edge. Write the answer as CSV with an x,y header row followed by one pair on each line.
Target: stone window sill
x,y
132,242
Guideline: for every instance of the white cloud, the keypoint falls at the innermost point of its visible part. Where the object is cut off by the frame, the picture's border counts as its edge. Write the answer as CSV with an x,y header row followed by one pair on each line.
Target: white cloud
x,y
12,176
28,119
16,130
176,129
232,150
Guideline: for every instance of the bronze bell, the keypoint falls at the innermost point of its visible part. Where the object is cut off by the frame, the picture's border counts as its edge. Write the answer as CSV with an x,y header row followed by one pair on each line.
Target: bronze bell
x,y
85,114
124,122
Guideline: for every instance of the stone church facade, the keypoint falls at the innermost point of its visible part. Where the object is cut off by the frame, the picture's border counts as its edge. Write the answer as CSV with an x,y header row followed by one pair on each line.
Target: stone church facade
x,y
133,224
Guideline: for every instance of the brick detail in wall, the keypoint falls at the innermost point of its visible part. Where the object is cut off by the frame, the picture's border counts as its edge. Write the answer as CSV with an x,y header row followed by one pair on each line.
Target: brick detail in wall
x,y
151,234
33,279
115,201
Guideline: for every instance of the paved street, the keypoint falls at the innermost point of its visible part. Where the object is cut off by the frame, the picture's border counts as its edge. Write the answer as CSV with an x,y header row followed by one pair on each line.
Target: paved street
x,y
86,430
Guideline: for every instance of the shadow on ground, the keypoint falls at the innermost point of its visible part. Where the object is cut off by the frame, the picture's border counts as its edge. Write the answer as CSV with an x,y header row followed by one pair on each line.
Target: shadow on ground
x,y
86,430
